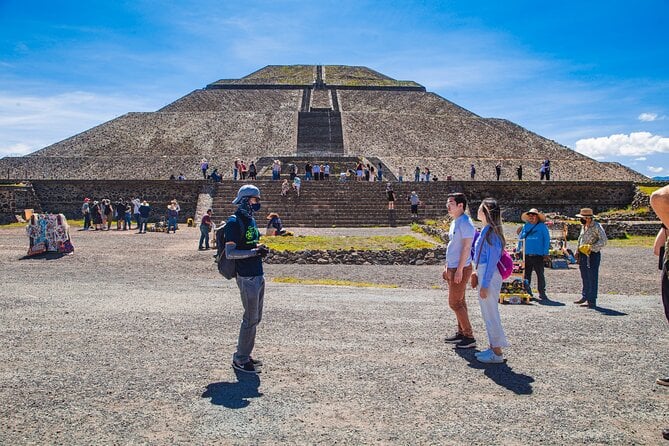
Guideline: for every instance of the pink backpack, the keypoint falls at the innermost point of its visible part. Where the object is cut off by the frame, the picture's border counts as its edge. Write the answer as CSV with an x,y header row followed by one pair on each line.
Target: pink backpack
x,y
505,265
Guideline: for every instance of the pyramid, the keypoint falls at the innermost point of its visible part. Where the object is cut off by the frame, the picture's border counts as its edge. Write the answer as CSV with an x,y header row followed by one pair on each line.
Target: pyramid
x,y
302,111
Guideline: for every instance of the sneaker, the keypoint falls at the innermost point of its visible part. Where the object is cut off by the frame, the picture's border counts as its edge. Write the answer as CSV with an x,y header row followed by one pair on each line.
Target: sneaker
x,y
491,358
457,337
466,342
580,301
247,367
483,353
663,381
256,362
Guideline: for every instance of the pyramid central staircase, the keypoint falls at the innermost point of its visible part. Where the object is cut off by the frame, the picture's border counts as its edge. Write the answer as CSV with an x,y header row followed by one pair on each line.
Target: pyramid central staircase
x,y
333,203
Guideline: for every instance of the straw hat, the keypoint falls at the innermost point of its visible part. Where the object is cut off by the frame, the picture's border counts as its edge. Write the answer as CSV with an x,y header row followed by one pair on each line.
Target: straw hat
x,y
535,211
586,212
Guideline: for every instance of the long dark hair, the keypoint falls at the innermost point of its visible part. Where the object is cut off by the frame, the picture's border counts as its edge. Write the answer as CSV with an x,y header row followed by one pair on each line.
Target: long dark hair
x,y
493,215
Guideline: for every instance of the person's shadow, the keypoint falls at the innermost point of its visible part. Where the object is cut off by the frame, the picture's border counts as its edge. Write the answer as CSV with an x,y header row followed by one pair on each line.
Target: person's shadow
x,y
609,311
549,303
45,256
234,395
501,374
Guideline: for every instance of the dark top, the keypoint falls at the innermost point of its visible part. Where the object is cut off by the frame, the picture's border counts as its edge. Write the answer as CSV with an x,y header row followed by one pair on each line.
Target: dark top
x,y
206,220
144,211
233,232
275,223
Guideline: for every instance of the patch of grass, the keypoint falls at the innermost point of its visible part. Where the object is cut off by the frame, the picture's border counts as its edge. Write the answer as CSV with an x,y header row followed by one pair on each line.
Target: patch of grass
x,y
647,189
375,243
72,223
632,241
415,227
627,212
332,282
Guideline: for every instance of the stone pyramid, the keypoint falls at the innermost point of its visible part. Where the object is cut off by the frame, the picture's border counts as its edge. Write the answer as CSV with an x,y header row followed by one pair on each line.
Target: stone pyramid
x,y
302,111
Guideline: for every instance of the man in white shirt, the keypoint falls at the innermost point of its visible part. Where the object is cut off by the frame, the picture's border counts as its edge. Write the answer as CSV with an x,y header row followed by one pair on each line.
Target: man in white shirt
x,y
459,268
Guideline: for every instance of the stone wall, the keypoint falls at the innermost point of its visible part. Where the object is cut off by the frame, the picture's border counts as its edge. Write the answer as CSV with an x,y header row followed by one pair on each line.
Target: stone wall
x,y
329,203
67,196
14,199
354,257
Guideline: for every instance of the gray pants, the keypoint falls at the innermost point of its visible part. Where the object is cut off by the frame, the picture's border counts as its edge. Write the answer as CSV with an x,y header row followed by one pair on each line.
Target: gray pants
x,y
252,290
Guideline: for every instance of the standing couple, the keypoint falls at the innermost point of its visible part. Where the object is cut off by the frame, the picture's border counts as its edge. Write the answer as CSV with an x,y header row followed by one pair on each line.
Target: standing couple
x,y
483,275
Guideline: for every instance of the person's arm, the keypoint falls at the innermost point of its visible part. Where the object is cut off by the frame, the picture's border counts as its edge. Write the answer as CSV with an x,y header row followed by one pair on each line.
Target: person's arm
x,y
659,201
546,240
492,256
601,239
464,256
660,240
231,252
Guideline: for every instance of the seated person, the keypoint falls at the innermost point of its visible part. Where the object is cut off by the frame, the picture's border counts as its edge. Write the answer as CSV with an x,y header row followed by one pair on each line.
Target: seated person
x,y
215,176
274,226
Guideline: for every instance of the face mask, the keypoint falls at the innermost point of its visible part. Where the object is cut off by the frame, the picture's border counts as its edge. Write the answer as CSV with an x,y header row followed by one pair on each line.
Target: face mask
x,y
583,221
255,207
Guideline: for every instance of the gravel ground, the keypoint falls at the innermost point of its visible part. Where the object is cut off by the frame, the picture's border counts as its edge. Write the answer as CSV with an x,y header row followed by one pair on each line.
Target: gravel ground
x,y
128,341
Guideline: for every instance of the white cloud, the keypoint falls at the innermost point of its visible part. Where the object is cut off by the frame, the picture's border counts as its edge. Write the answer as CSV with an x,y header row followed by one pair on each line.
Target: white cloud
x,y
29,123
641,158
16,150
647,117
634,144
655,169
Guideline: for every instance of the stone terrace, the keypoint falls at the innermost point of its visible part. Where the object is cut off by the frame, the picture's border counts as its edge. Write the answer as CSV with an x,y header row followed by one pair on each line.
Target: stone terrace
x,y
221,100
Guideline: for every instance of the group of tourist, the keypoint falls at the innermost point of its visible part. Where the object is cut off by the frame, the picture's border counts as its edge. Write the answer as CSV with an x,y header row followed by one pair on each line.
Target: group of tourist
x,y
544,171
99,215
471,258
474,257
361,172
241,170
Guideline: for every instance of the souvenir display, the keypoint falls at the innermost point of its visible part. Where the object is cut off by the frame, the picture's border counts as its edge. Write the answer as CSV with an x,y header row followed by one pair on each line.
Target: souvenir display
x,y
48,233
514,292
559,256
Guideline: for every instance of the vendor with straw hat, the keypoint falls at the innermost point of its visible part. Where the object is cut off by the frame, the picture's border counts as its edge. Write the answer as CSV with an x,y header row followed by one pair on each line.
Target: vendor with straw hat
x,y
590,242
537,242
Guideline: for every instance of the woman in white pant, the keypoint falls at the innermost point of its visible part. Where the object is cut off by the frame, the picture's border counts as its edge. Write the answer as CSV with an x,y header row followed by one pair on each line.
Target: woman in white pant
x,y
487,252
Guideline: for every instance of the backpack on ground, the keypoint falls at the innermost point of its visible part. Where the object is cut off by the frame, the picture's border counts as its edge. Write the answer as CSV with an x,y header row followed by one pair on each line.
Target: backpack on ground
x,y
226,267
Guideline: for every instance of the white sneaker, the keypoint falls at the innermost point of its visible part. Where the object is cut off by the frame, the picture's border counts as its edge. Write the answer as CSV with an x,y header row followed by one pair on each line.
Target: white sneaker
x,y
483,353
491,358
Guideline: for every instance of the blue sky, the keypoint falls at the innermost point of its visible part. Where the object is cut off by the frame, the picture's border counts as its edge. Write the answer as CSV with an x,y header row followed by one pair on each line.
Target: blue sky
x,y
591,75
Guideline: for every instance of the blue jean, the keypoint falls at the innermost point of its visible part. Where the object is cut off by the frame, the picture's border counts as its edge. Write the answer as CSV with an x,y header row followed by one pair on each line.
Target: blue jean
x,y
275,175
172,223
252,291
204,236
235,172
589,267
142,223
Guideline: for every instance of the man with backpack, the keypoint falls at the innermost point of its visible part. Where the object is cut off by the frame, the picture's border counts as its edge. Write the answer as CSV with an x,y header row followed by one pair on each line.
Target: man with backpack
x,y
241,237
